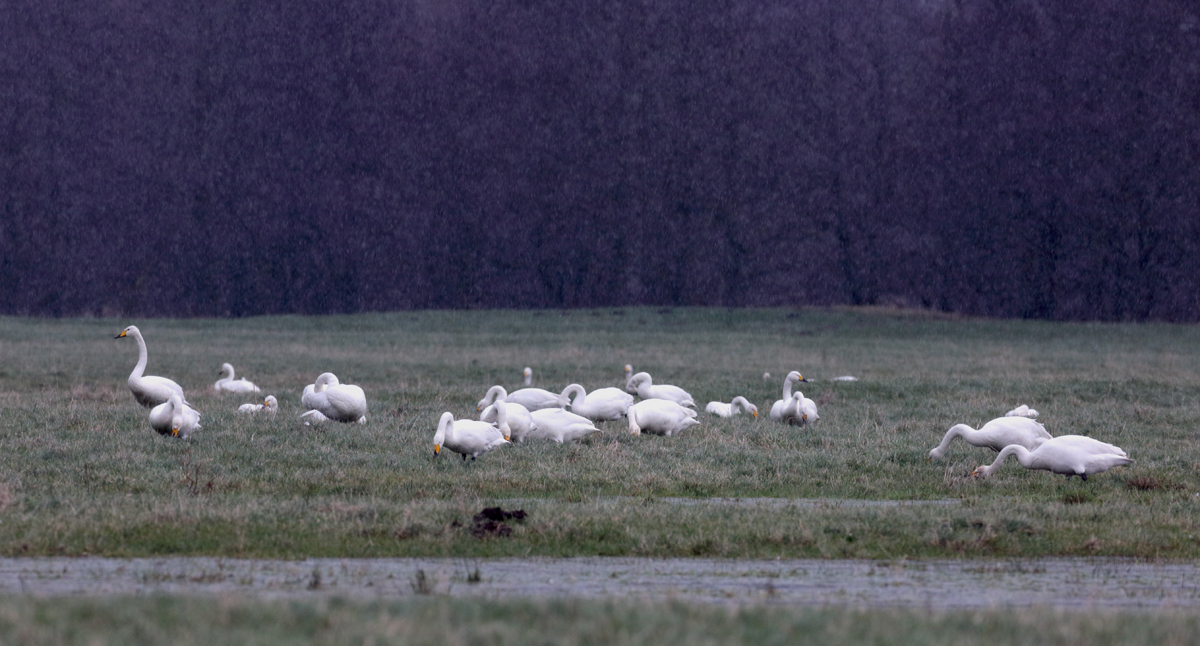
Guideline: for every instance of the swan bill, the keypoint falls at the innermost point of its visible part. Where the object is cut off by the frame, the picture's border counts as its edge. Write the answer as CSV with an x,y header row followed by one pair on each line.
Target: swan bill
x,y
121,335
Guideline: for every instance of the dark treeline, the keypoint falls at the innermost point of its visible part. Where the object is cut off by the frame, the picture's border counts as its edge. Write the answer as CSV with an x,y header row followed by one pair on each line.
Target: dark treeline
x,y
1025,158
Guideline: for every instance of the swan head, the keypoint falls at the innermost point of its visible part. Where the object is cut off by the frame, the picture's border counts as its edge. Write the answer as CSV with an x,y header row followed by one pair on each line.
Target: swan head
x,y
225,367
439,438
980,471
628,370
795,376
271,402
935,453
766,376
528,372
132,329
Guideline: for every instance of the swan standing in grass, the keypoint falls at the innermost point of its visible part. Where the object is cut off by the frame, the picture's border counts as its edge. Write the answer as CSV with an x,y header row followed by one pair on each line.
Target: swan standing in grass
x,y
466,437
528,373
739,404
646,389
1070,455
599,405
174,418
777,408
337,401
227,384
660,416
531,398
560,425
1022,411
148,391
271,405
995,435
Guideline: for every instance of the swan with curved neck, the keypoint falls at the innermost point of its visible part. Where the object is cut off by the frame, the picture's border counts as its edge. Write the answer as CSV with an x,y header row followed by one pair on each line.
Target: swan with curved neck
x,y
337,401
995,435
270,405
1069,455
174,418
531,398
599,405
739,404
646,389
149,391
778,407
227,383
466,437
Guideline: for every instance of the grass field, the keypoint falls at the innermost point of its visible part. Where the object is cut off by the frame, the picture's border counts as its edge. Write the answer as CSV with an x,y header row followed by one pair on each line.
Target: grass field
x,y
81,472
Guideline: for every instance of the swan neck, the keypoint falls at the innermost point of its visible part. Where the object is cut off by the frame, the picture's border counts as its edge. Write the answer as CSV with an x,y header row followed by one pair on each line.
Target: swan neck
x,y
141,364
574,389
1022,457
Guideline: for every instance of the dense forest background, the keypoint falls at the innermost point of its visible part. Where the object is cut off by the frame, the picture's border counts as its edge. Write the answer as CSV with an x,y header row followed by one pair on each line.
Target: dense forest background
x,y
1016,158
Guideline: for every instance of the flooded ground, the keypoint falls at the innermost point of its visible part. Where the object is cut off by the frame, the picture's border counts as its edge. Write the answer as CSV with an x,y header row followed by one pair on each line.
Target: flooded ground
x,y
940,584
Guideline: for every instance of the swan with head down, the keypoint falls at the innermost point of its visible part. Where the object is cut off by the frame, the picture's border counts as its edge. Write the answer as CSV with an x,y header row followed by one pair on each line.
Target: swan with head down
x,y
531,398
995,435
739,404
175,418
1069,455
466,436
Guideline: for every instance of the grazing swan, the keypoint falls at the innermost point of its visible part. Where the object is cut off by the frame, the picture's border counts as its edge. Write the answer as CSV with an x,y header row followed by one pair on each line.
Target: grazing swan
x,y
660,416
1070,455
995,435
599,405
1022,411
227,384
271,405
466,437
520,424
777,407
560,425
646,389
337,401
148,391
528,376
799,410
174,418
721,409
531,398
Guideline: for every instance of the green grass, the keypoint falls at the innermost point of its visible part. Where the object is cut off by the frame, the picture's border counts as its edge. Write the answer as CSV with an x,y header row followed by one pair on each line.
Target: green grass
x,y
227,620
82,472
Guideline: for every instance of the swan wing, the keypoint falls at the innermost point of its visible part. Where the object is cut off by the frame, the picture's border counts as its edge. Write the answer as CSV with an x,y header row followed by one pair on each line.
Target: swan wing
x,y
347,402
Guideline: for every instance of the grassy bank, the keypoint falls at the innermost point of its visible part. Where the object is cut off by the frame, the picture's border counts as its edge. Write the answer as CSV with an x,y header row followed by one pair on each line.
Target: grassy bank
x,y
82,472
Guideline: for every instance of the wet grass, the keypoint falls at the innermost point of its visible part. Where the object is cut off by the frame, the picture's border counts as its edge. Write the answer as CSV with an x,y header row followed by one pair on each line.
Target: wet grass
x,y
436,620
82,472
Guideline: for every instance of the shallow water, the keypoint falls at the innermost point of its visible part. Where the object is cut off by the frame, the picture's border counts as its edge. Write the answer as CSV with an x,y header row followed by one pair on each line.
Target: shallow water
x,y
1102,583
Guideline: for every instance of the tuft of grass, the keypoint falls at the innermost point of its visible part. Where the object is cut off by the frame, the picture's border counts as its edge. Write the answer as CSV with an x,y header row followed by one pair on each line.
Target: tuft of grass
x,y
81,472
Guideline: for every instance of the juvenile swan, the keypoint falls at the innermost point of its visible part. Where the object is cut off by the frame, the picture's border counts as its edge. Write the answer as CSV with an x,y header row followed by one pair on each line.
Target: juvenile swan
x,y
995,435
148,391
270,405
1070,455
739,404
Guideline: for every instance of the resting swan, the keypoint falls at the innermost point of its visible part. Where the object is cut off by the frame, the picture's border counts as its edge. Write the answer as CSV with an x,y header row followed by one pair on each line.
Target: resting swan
x,y
466,437
271,405
1022,411
599,405
995,435
721,409
227,384
148,391
1070,455
531,398
560,425
646,389
799,410
337,401
174,418
517,420
777,407
660,416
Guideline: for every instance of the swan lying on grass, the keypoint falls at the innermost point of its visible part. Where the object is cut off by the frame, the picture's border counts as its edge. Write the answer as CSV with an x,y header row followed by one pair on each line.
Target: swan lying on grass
x,y
466,436
149,391
738,405
560,425
336,401
1022,411
227,384
1070,455
174,418
270,405
660,417
995,435
644,385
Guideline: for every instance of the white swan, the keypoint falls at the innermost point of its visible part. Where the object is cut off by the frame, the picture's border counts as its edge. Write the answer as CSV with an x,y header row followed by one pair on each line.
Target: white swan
x,y
174,418
1022,411
845,378
599,405
528,372
1070,455
531,398
799,410
646,389
660,416
519,423
721,409
995,435
148,391
271,405
337,401
227,384
629,388
560,425
466,437
777,408
313,417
